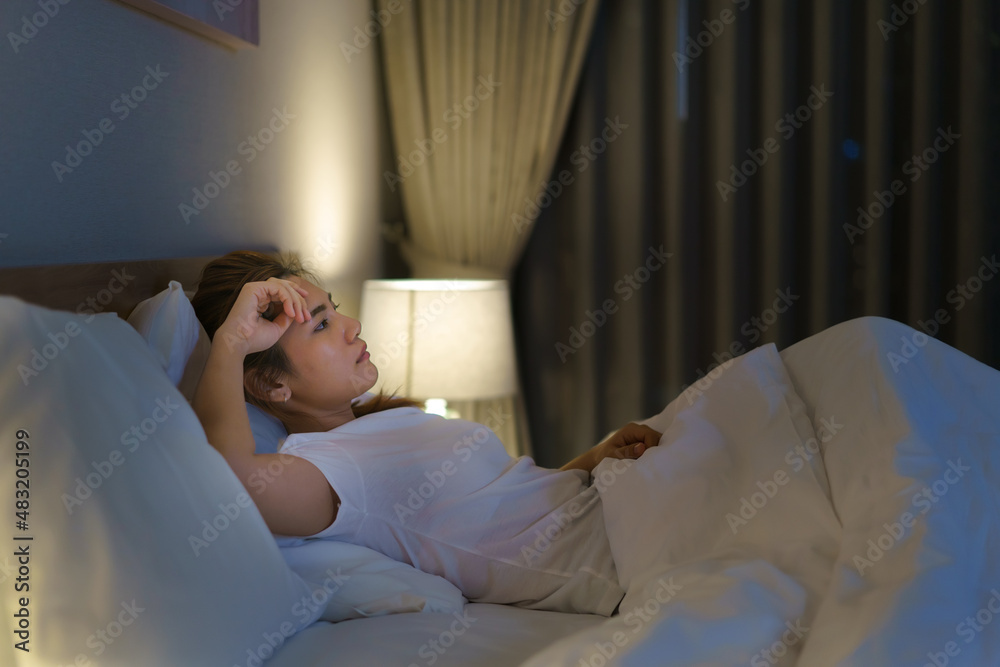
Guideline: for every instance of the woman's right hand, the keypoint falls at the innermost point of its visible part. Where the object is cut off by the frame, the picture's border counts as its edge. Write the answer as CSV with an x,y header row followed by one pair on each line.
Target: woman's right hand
x,y
628,442
246,330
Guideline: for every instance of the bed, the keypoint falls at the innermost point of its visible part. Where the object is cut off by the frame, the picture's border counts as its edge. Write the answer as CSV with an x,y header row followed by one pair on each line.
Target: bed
x,y
832,503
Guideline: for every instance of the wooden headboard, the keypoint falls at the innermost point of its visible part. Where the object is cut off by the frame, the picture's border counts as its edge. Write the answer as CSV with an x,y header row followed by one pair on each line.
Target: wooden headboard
x,y
107,287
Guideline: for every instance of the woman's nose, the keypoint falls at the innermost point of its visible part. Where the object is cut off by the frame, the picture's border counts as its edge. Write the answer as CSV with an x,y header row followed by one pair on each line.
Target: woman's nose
x,y
352,328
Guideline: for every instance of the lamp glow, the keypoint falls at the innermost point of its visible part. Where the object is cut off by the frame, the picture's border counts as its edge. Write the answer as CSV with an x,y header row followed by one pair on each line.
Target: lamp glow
x,y
433,339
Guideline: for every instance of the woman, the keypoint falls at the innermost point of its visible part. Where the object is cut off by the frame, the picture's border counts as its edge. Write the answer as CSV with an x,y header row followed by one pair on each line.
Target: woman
x,y
441,495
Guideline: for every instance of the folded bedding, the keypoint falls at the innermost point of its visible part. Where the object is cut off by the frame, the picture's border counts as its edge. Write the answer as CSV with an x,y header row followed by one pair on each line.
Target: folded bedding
x,y
831,505
731,552
914,478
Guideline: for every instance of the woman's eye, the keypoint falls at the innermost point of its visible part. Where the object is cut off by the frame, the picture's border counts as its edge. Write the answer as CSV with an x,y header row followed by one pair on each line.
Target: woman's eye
x,y
322,325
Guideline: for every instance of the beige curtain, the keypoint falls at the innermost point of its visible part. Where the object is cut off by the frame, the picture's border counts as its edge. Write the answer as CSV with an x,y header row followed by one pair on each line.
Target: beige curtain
x,y
478,96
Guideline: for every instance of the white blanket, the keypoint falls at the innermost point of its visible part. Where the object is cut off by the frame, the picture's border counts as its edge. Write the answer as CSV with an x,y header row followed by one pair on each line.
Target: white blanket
x,y
835,504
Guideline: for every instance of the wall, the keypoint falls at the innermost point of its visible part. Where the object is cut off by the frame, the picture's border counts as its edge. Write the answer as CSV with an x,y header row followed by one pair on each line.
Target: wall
x,y
313,189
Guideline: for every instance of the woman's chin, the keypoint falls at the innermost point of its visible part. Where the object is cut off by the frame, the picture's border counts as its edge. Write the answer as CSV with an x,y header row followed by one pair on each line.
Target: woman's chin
x,y
365,377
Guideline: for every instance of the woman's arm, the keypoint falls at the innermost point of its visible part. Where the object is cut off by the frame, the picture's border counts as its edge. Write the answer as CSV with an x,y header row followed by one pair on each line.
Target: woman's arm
x,y
291,493
628,442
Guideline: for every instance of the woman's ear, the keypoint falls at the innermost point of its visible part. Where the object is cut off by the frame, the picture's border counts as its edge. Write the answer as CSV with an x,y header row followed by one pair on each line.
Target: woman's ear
x,y
263,389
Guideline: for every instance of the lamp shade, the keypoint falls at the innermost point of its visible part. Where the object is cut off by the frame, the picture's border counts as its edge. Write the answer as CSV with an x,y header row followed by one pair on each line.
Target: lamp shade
x,y
450,339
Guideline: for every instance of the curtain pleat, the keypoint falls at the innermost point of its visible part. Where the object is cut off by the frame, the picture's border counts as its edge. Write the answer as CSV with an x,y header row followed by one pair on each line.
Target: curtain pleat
x,y
487,86
790,251
976,219
926,120
873,256
769,244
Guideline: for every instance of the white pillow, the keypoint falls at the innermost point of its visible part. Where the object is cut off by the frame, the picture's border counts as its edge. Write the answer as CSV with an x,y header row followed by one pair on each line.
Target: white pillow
x,y
351,581
146,549
269,432
178,340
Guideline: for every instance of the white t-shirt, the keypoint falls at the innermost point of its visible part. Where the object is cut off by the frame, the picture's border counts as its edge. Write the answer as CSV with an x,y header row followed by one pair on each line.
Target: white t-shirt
x,y
444,496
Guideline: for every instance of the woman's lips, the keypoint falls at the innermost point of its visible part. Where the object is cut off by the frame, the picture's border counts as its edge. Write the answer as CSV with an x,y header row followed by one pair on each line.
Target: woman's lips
x,y
364,354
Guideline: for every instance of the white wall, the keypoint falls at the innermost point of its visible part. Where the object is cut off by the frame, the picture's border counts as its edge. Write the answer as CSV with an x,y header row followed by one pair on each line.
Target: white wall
x,y
313,190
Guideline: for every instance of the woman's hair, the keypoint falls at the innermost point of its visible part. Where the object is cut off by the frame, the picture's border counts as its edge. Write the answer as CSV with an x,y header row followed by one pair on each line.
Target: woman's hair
x,y
220,285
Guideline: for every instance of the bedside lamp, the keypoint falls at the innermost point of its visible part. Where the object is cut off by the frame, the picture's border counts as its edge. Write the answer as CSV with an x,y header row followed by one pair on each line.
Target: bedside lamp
x,y
440,340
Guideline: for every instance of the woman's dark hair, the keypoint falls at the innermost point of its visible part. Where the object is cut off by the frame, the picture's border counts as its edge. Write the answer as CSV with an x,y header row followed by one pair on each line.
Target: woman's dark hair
x,y
221,282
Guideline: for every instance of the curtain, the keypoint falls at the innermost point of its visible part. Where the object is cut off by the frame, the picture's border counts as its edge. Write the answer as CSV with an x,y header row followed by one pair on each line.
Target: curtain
x,y
802,162
478,94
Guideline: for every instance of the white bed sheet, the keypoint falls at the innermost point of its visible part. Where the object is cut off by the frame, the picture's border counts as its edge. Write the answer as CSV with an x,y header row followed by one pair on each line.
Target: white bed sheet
x,y
921,437
485,635
820,574
711,579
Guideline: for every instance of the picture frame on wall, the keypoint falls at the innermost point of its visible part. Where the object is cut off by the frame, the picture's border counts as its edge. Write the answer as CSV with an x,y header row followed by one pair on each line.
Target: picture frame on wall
x,y
234,23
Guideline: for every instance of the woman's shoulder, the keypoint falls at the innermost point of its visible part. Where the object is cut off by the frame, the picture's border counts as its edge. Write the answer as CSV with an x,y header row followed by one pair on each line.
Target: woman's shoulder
x,y
372,423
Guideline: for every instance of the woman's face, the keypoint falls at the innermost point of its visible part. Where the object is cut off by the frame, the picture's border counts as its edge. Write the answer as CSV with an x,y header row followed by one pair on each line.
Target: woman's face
x,y
330,361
